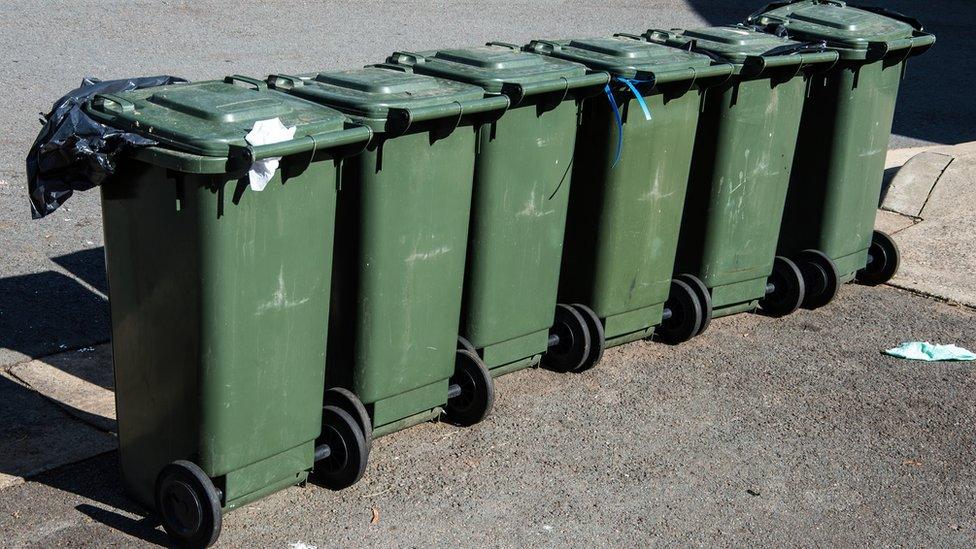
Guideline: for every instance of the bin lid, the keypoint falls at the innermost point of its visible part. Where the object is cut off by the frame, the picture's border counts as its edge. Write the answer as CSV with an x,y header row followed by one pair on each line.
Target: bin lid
x,y
733,42
371,92
494,65
207,118
839,24
621,55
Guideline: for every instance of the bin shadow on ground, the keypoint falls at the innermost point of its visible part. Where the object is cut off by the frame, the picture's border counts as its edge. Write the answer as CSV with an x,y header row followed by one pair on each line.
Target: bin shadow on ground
x,y
935,101
49,312
98,479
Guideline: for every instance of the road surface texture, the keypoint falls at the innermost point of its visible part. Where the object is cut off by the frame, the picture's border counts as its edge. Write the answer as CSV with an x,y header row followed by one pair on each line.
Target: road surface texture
x,y
779,432
48,46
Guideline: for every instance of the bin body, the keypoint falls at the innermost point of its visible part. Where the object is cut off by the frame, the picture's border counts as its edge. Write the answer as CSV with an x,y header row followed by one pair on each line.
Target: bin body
x,y
744,150
839,165
624,214
401,236
520,195
219,294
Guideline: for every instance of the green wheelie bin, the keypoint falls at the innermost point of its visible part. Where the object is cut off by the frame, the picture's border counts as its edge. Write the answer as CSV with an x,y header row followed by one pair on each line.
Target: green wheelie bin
x,y
521,191
219,297
740,172
839,163
401,239
630,172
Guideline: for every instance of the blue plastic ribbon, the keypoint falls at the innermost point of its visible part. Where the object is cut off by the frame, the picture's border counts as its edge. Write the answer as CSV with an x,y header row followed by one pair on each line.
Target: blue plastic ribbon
x,y
630,83
620,124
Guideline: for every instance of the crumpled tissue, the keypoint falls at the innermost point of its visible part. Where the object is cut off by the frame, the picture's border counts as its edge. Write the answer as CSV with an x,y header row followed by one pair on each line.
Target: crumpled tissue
x,y
266,132
923,350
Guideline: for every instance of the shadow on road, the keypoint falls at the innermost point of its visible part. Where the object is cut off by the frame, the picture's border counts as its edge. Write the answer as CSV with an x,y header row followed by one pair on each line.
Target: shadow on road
x,y
935,103
98,479
47,312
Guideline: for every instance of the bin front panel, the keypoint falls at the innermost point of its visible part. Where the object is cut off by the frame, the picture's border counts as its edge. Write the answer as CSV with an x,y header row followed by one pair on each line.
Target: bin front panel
x,y
401,237
839,165
623,220
219,300
521,190
739,178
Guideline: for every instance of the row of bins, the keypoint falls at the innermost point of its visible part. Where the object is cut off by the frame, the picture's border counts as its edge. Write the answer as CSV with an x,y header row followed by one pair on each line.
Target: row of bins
x,y
449,216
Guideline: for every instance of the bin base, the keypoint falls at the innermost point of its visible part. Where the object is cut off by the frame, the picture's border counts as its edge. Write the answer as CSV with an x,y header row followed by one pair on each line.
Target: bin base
x,y
515,354
632,325
407,422
267,476
409,403
850,264
738,297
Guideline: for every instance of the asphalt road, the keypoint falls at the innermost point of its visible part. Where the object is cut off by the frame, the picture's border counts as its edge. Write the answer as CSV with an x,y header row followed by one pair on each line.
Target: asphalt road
x,y
761,432
52,279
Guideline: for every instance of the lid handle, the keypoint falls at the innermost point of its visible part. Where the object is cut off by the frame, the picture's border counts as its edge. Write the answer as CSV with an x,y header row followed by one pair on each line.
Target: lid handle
x,y
405,58
504,45
915,23
259,85
285,81
545,47
400,119
659,36
311,142
518,92
100,99
628,35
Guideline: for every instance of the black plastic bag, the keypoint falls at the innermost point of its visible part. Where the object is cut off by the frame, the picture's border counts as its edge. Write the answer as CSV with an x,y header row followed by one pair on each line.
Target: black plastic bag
x,y
73,152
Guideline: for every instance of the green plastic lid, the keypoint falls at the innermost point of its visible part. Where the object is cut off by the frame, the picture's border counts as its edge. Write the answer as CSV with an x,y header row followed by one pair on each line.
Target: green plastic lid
x,y
207,118
621,55
490,66
837,23
371,92
734,43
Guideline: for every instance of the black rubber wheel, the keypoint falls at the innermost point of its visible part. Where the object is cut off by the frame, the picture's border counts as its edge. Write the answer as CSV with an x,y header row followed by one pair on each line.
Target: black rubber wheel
x,y
686,315
348,402
598,340
883,260
573,348
787,295
346,462
820,278
463,343
477,390
704,298
188,504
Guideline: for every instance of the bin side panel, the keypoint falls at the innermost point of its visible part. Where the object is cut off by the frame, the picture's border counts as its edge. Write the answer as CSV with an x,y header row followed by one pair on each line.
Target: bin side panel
x,y
623,220
218,329
839,165
518,215
266,260
739,179
152,256
401,238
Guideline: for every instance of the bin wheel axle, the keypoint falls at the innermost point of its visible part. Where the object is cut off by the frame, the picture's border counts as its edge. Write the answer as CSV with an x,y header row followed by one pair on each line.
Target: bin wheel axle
x,y
188,504
576,339
821,280
471,392
883,260
683,315
784,289
340,451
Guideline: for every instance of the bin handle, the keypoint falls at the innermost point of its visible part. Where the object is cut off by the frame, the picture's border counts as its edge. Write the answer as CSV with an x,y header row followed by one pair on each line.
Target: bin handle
x,y
124,104
259,85
628,35
503,44
290,82
544,47
311,142
518,92
405,58
399,120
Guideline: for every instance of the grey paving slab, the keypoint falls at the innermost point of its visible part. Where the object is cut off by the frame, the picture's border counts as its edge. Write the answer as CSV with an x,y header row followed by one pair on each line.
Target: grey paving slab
x,y
910,188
